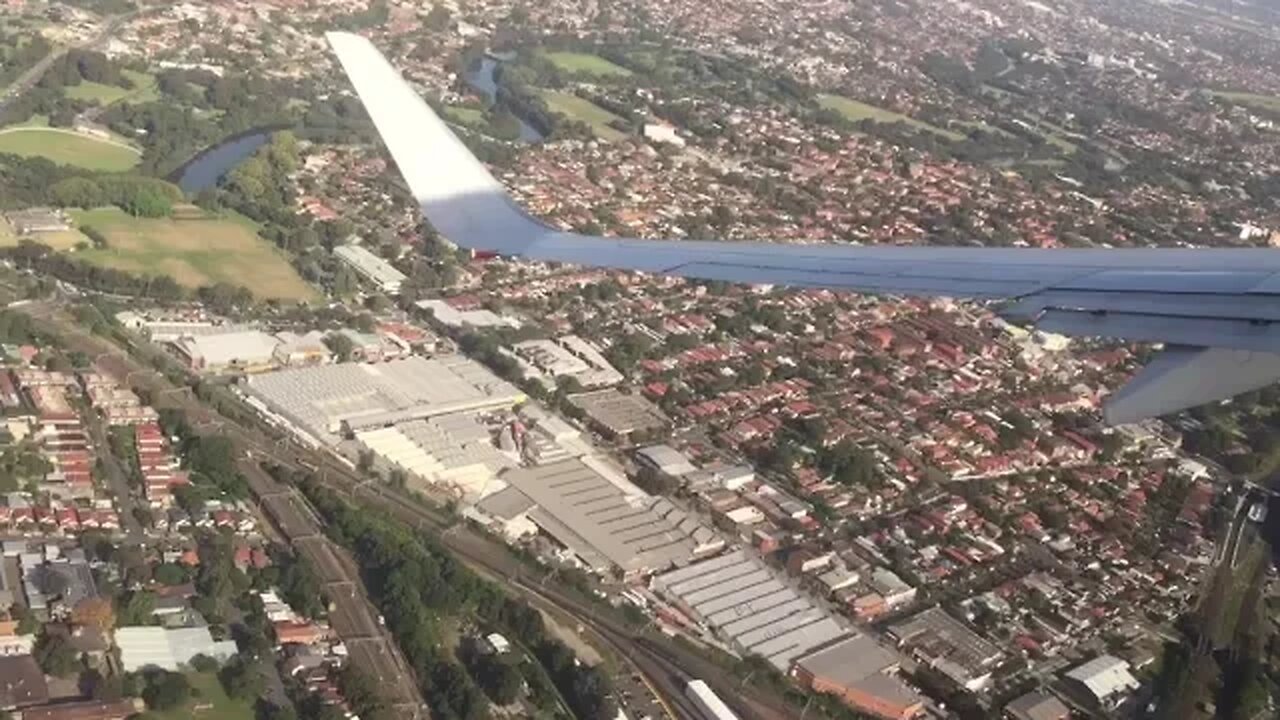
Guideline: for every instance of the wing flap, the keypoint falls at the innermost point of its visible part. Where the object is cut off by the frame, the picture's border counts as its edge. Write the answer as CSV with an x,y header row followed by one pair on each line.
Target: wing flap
x,y
1182,377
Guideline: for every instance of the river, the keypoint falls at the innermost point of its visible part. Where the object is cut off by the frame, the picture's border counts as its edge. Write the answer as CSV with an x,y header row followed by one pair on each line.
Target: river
x,y
206,169
481,79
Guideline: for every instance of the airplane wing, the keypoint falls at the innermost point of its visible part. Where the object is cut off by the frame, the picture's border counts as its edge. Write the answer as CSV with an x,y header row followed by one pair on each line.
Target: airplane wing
x,y
1214,310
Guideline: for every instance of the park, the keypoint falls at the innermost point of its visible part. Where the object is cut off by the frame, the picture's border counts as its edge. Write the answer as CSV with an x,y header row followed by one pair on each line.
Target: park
x,y
195,250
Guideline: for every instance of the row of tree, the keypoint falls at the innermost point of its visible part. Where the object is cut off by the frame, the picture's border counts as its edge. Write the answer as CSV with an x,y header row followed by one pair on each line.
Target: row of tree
x,y
417,582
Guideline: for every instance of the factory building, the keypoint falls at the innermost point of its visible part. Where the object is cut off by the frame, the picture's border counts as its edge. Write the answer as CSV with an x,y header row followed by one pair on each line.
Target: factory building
x,y
240,351
320,401
745,603
620,416
455,450
1106,678
453,317
569,356
1037,705
935,638
863,675
372,268
595,521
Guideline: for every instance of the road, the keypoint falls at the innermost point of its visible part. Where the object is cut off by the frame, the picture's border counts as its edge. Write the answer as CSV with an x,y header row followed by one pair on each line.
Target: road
x,y
28,79
663,663
118,479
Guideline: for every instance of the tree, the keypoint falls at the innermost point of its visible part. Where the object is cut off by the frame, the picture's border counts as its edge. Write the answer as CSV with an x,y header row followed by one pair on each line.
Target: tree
x,y
136,608
77,192
55,655
171,574
499,679
438,18
147,203
340,345
166,690
94,612
203,663
241,679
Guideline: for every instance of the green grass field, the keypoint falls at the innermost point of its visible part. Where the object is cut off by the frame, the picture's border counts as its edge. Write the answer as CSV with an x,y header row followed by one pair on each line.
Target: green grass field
x,y
578,109
585,64
95,92
194,252
143,90
465,116
1260,102
856,111
210,702
68,148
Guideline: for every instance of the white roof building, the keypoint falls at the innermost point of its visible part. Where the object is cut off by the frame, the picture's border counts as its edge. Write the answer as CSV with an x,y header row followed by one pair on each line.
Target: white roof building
x,y
453,317
746,603
321,399
157,647
1106,677
666,459
241,349
371,268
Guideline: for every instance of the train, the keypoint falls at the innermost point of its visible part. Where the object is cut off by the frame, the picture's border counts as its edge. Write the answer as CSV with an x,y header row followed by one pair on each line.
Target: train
x,y
708,703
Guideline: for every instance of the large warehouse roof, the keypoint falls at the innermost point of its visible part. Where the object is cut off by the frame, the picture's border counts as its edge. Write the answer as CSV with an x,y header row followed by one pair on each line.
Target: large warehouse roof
x,y
454,448
320,399
1104,676
245,347
745,602
953,648
606,528
147,647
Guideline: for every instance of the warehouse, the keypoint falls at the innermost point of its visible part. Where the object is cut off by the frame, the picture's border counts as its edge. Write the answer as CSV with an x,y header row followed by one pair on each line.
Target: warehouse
x,y
156,647
944,643
1106,678
455,449
620,416
568,356
740,598
372,268
863,675
240,351
320,400
604,527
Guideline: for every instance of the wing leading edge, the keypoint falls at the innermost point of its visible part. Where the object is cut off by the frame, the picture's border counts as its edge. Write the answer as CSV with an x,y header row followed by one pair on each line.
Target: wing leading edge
x,y
1214,309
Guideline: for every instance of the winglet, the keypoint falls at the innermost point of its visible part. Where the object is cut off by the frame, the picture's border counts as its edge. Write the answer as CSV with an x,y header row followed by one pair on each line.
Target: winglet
x,y
462,200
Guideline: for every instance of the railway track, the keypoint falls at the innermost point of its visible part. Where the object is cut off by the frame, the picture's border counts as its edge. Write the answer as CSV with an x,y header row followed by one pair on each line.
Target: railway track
x,y
665,667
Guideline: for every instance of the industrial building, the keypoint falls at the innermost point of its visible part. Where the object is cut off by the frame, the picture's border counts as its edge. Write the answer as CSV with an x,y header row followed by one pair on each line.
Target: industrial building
x,y
453,317
744,602
372,268
319,401
666,460
1106,678
156,647
569,356
597,522
239,351
297,350
1036,705
455,449
620,416
945,644
863,675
